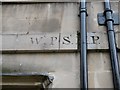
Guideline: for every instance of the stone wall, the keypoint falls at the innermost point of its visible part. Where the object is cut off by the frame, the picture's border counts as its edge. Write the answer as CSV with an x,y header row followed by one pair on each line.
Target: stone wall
x,y
51,19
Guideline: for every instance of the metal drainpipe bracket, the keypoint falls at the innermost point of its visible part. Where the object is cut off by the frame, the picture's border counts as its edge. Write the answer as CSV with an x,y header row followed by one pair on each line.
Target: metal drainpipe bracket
x,y
101,19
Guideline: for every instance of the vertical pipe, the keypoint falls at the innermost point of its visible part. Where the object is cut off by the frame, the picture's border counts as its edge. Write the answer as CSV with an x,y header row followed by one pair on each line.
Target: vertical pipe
x,y
112,45
83,43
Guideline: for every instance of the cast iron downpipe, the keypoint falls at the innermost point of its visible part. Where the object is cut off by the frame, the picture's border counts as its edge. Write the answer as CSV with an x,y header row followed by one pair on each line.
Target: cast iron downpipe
x,y
112,45
83,47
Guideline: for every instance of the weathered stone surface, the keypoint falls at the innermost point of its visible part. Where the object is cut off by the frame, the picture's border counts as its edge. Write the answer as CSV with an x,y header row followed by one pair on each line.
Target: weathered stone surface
x,y
42,0
91,80
53,41
95,62
57,64
55,19
64,67
69,42
97,41
98,7
98,62
40,18
50,0
106,61
103,80
92,23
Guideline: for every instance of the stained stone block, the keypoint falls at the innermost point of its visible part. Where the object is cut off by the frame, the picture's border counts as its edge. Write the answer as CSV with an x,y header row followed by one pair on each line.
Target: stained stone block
x,y
41,0
92,23
103,80
95,62
97,41
37,18
91,80
62,66
106,61
54,41
68,42
51,0
31,42
39,42
9,42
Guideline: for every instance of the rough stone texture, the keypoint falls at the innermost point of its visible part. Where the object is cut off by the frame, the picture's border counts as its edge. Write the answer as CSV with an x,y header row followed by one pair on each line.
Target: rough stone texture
x,y
54,41
31,42
98,7
106,61
64,67
95,62
40,42
50,0
68,41
42,0
95,7
52,18
100,75
58,66
97,41
100,62
48,18
91,80
103,80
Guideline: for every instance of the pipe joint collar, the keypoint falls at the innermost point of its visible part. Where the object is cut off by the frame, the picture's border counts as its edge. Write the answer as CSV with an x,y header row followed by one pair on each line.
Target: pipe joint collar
x,y
107,10
84,10
109,20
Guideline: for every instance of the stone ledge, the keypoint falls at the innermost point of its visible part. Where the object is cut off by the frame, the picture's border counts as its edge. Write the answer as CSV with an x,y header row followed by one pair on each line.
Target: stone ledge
x,y
32,1
54,42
